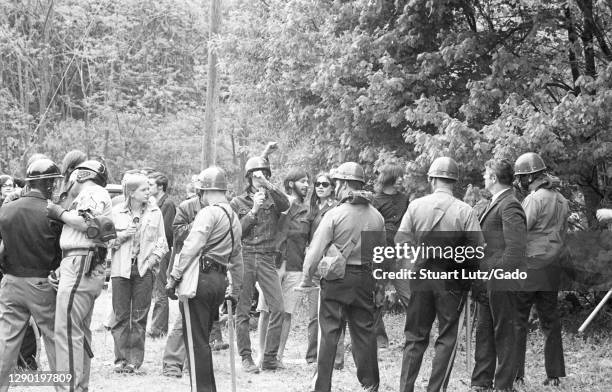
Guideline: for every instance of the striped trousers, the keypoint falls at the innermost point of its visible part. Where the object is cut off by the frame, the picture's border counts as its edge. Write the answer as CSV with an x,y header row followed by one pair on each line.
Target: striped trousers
x,y
76,295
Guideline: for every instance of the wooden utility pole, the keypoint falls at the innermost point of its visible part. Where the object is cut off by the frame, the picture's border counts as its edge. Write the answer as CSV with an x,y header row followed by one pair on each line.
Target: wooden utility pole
x,y
209,152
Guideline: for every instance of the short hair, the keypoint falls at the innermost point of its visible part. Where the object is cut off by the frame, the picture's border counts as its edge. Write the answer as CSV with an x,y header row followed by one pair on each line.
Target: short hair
x,y
503,170
160,180
389,174
294,175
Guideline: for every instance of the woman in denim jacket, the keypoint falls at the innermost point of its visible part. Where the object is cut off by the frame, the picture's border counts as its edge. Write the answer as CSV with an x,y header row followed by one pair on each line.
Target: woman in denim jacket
x,y
140,244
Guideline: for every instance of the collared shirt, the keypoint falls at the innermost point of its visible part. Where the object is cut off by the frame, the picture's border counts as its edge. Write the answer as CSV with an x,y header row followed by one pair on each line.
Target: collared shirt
x,y
424,212
498,194
30,238
259,233
295,227
151,239
546,211
211,224
340,226
317,215
95,199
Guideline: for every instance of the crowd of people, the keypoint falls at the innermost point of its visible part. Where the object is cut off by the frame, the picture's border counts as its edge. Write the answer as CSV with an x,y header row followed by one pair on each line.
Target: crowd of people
x,y
311,237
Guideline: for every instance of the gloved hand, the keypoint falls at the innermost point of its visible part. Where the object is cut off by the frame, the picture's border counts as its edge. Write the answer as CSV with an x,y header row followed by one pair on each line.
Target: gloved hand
x,y
54,211
53,280
171,287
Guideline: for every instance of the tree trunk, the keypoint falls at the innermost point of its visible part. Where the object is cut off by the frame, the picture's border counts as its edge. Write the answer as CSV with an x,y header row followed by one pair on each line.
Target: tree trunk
x,y
587,38
572,36
210,132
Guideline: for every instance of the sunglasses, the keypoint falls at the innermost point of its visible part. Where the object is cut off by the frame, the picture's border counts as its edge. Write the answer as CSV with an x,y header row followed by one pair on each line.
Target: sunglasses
x,y
323,184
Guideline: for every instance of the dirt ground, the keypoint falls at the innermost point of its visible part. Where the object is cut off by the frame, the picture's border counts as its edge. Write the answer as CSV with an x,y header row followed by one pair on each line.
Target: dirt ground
x,y
588,362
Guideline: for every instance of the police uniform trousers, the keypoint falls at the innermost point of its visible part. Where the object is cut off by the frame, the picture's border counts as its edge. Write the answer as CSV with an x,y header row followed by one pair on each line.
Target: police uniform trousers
x,y
429,300
21,298
495,353
198,315
541,290
76,295
351,300
260,267
313,331
175,357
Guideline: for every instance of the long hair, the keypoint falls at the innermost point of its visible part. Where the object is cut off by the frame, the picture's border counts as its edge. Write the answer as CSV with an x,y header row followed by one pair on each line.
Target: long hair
x,y
130,183
388,175
314,199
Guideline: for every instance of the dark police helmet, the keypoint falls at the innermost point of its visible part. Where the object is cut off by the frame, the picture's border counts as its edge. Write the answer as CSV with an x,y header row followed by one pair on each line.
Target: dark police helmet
x,y
42,169
92,170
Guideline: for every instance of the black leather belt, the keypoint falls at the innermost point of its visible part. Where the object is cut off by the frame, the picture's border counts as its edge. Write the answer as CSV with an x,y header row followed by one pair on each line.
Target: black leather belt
x,y
210,265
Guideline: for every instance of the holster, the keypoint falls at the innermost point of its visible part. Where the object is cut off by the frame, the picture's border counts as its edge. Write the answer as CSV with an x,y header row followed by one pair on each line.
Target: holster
x,y
94,258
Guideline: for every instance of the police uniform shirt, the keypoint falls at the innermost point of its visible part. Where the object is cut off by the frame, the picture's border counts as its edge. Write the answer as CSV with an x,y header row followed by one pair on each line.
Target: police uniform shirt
x,y
425,211
341,225
546,211
94,198
30,237
210,225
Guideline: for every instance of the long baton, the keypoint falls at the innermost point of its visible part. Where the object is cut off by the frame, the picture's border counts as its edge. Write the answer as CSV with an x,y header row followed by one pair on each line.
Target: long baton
x,y
468,334
230,326
594,312
191,357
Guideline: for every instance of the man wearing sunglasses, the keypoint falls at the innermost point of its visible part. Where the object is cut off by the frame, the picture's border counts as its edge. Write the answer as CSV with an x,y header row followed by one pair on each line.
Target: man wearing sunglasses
x,y
259,210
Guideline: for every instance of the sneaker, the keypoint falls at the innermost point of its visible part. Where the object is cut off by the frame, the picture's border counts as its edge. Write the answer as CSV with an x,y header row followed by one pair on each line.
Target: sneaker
x,y
119,367
248,365
271,364
129,368
172,371
552,381
219,345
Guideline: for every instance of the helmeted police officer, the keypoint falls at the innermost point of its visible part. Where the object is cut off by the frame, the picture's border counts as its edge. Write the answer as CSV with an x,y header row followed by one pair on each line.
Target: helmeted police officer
x,y
351,297
31,243
259,209
214,243
546,211
81,273
437,219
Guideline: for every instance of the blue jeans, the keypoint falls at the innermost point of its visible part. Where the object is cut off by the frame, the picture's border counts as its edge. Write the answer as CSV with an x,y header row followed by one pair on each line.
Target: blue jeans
x,y
260,267
131,303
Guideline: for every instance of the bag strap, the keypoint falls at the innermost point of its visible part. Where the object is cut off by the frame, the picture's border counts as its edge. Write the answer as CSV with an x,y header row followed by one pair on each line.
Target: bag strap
x,y
231,229
348,248
445,208
229,232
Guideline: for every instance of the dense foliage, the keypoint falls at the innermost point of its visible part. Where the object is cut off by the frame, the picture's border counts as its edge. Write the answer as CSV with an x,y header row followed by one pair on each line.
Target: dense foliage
x,y
369,80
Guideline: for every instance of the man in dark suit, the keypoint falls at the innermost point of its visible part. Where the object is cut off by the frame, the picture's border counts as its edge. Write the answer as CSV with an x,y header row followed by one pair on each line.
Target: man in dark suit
x,y
503,224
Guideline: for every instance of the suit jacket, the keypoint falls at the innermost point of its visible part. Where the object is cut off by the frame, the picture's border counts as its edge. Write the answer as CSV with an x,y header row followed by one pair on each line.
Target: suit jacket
x,y
504,227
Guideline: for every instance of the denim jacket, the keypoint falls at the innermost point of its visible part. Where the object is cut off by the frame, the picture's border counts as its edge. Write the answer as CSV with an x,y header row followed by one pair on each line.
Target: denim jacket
x,y
152,237
259,232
